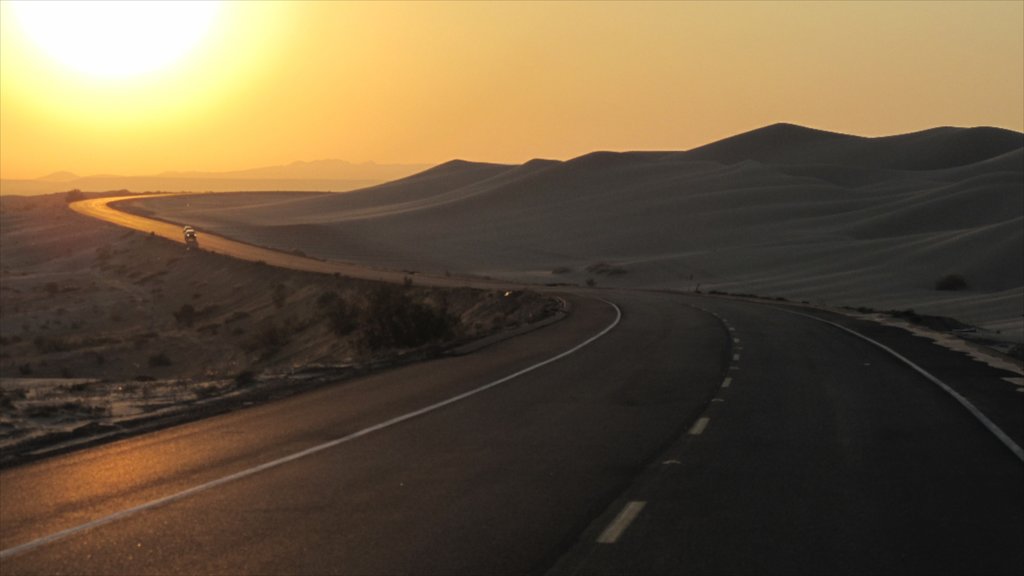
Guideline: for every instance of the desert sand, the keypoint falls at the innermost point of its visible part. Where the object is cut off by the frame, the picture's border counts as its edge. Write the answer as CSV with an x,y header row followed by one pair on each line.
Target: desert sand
x,y
104,330
783,211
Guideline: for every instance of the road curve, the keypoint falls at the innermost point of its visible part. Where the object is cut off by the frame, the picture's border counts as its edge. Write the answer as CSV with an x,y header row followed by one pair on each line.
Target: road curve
x,y
820,454
700,436
104,209
500,482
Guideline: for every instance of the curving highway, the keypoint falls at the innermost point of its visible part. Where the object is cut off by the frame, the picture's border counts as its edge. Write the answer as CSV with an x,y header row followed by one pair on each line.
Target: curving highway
x,y
648,433
104,209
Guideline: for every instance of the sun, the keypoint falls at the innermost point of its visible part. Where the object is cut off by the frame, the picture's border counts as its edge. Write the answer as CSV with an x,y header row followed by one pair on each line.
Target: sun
x,y
118,38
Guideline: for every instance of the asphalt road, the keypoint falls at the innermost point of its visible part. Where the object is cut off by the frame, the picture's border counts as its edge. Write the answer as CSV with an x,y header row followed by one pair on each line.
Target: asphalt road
x,y
821,455
499,482
102,209
693,435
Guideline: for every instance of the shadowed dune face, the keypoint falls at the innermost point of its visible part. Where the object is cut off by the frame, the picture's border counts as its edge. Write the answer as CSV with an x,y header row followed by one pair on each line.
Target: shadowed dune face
x,y
781,211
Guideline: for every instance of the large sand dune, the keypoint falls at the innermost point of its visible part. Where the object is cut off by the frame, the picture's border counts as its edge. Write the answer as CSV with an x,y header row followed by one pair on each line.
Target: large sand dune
x,y
779,211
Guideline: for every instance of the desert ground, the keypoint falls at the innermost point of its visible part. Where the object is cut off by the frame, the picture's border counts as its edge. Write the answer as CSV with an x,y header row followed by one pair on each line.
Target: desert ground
x,y
105,330
931,222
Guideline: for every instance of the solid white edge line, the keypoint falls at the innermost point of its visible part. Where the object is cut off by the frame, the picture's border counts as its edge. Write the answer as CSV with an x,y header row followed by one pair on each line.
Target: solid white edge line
x,y
990,425
31,545
614,530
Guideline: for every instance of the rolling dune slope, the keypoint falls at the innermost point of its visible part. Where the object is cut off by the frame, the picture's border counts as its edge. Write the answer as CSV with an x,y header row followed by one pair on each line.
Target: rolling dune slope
x,y
780,211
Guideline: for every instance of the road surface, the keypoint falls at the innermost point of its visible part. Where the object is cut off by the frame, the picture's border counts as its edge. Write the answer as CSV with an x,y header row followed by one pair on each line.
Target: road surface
x,y
104,209
647,433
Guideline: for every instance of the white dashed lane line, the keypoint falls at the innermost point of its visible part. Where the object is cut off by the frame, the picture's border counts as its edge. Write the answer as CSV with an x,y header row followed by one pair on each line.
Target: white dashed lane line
x,y
614,530
698,427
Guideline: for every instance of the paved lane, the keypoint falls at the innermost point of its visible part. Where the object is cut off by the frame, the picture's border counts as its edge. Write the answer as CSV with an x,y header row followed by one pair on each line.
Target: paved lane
x,y
821,456
501,482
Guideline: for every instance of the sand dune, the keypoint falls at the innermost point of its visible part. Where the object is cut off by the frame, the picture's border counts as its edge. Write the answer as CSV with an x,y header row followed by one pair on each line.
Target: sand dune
x,y
780,211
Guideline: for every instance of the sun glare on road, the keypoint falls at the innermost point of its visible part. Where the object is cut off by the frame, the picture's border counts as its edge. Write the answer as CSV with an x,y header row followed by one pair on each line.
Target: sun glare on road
x,y
116,38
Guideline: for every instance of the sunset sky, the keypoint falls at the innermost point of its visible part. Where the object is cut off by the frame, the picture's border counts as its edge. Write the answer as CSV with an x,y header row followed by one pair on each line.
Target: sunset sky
x,y
269,83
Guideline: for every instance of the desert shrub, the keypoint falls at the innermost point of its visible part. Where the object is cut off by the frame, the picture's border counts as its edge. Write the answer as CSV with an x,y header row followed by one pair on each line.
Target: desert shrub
x,y
1016,351
6,402
159,359
342,318
73,196
267,340
103,253
280,295
326,299
48,345
51,409
951,282
25,369
393,319
591,282
236,316
245,377
606,269
186,315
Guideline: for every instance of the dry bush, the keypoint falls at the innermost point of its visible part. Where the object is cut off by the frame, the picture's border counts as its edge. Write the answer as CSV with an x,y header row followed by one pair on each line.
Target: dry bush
x,y
951,282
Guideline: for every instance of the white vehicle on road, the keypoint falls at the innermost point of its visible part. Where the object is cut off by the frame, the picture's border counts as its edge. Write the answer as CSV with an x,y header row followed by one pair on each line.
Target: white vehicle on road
x,y
191,241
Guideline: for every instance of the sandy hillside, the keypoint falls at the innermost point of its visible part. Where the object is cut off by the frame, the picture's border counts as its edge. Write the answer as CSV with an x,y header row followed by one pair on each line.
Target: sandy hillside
x,y
103,325
780,211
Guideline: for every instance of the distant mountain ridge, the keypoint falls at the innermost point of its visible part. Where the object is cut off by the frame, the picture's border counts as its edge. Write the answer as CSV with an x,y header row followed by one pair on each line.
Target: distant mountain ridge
x,y
330,169
318,175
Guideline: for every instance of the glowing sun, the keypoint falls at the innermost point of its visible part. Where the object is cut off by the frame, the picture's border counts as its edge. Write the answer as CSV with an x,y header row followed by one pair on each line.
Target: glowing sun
x,y
116,38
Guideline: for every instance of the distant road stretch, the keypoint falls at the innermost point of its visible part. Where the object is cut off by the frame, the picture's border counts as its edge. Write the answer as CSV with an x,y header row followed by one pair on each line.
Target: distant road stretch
x,y
101,209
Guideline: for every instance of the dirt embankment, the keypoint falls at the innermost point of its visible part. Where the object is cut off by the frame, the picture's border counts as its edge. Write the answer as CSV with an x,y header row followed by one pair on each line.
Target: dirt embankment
x,y
103,329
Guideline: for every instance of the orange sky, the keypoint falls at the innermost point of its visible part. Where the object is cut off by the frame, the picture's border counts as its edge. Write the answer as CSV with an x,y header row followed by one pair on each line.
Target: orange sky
x,y
423,83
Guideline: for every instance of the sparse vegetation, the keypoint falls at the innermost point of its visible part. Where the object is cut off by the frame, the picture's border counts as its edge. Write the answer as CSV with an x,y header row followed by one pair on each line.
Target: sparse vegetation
x,y
326,299
132,319
159,360
244,378
268,340
342,318
186,315
280,295
606,269
951,282
393,319
48,345
73,196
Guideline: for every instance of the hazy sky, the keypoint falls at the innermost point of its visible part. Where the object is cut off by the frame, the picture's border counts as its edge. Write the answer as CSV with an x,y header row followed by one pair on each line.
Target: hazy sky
x,y
269,83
